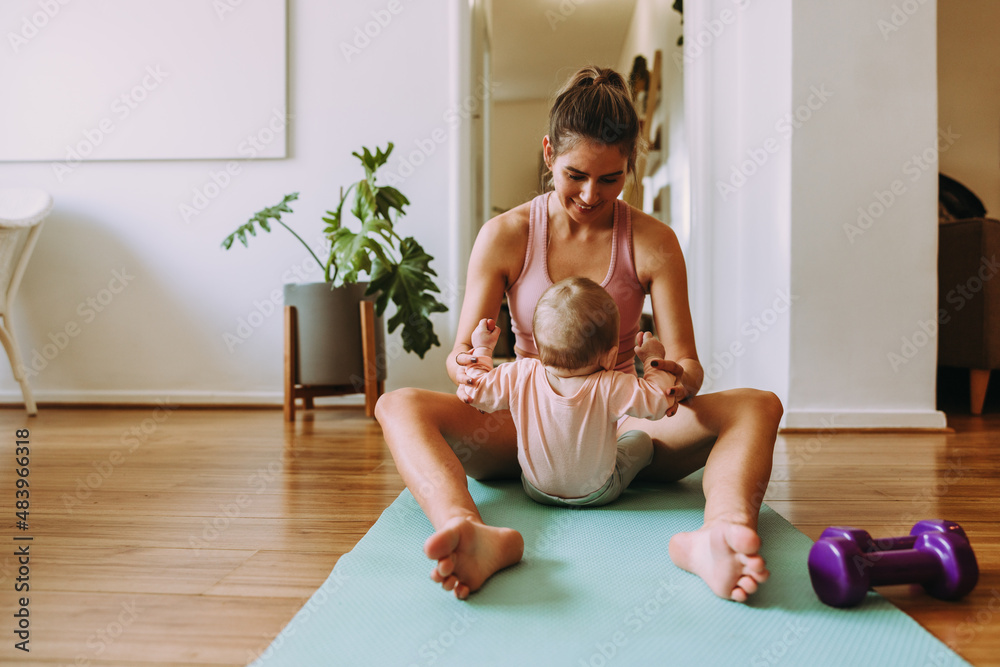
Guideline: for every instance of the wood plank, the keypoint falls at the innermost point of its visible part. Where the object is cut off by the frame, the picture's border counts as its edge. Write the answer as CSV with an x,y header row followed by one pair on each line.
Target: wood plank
x,y
311,489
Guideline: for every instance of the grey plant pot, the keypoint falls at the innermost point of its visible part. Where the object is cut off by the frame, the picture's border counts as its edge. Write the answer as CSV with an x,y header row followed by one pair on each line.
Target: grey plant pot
x,y
329,333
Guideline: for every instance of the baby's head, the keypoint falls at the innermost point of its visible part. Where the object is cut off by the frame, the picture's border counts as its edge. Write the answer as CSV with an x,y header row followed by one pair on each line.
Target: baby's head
x,y
576,325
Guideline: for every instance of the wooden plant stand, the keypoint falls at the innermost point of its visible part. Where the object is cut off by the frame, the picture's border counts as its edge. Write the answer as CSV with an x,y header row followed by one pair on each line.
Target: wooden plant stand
x,y
369,385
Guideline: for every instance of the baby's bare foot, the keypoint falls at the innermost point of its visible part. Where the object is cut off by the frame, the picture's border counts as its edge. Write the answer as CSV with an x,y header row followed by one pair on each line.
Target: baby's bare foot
x,y
724,555
468,553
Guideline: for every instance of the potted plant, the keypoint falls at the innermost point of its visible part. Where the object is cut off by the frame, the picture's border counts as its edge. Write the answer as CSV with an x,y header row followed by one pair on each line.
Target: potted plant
x,y
397,270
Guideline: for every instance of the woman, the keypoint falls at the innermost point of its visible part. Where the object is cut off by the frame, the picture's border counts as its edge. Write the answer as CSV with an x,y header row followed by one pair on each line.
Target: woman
x,y
582,229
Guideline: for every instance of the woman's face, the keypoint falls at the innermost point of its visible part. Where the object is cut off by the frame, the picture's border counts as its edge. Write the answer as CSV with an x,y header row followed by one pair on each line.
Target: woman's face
x,y
587,178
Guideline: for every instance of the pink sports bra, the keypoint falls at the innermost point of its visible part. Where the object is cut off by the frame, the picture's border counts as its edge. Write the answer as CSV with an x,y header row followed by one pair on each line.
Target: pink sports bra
x,y
620,282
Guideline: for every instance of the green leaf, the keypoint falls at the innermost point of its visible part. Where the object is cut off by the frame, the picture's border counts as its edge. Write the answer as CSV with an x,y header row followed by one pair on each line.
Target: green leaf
x,y
262,218
370,245
389,198
354,252
365,205
372,162
408,285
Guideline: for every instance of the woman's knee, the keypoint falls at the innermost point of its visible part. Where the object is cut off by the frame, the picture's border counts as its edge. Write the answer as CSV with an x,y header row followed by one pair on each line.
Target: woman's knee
x,y
768,404
758,405
396,402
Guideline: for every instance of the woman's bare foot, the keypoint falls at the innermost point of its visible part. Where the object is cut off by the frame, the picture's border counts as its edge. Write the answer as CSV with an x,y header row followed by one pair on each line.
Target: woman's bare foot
x,y
724,555
468,553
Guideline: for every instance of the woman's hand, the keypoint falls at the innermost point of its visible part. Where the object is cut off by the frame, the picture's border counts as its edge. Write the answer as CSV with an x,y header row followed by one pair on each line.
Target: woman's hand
x,y
464,392
470,369
464,361
678,392
650,352
477,362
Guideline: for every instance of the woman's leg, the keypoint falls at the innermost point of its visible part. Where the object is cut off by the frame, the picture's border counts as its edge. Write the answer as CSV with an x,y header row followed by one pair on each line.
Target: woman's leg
x,y
435,440
732,435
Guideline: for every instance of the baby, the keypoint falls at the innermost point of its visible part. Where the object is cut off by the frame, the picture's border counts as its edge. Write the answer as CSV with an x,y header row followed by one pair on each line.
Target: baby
x,y
567,404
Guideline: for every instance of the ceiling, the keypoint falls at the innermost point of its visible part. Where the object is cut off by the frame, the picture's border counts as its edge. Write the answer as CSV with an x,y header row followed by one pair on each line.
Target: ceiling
x,y
538,44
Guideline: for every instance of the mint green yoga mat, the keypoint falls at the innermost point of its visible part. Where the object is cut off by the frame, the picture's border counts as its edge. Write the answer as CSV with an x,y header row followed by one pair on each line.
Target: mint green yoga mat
x,y
596,588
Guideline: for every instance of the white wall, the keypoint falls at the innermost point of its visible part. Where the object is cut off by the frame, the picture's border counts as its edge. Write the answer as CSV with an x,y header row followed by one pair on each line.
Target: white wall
x,y
776,276
737,61
162,336
867,296
968,95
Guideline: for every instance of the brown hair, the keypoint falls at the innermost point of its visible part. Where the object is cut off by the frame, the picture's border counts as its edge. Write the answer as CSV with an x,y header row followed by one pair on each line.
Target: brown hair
x,y
575,323
596,105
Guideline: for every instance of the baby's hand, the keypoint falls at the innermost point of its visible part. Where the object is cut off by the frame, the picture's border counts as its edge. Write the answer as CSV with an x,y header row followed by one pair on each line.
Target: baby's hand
x,y
484,340
486,335
659,371
647,346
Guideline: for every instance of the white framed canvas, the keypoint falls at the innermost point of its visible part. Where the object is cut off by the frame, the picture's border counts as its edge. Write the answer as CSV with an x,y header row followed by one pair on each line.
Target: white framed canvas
x,y
142,79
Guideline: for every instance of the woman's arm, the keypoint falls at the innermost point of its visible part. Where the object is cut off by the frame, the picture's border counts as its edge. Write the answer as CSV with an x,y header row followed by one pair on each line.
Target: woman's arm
x,y
661,270
495,263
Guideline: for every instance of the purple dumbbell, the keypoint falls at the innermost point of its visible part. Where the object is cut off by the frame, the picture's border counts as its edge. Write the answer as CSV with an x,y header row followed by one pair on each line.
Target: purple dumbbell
x,y
842,573
867,544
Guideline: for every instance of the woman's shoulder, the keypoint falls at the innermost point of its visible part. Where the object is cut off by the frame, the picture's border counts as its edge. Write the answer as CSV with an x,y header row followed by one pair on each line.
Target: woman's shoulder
x,y
506,235
647,228
654,244
512,223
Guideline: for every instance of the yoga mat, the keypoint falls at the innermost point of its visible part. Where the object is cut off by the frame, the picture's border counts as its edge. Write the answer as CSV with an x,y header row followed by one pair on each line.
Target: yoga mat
x,y
596,588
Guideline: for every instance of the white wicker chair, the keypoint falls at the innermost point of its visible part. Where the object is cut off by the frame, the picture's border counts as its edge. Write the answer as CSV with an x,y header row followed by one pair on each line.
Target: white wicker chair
x,y
22,211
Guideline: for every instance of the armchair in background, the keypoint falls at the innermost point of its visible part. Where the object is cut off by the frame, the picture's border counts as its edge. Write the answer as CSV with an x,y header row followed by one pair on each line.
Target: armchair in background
x,y
968,287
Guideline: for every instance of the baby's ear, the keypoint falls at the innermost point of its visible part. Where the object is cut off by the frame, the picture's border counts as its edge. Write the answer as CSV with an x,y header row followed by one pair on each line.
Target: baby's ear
x,y
608,362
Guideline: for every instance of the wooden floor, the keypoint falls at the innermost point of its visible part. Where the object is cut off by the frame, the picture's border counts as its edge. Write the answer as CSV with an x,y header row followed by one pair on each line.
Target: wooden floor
x,y
190,537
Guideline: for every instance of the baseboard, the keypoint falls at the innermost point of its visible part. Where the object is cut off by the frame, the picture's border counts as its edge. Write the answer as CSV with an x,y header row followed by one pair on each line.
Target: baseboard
x,y
802,420
794,420
12,399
